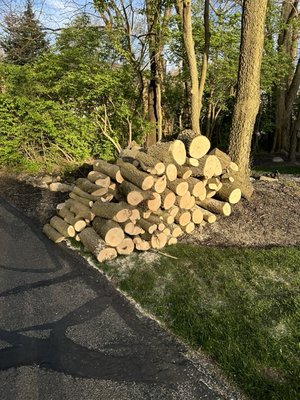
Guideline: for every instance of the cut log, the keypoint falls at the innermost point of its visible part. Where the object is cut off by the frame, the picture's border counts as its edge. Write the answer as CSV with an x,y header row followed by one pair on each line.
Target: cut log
x,y
230,193
210,193
196,145
62,226
147,163
152,204
160,184
133,175
131,228
244,184
140,244
209,166
126,247
99,179
183,217
197,187
168,199
164,216
183,202
216,206
173,211
80,210
108,197
190,227
53,234
227,177
233,167
183,172
155,219
208,216
167,231
214,184
224,158
191,203
197,215
109,230
176,230
79,192
172,240
93,243
86,202
78,223
113,171
193,162
133,194
179,186
157,240
89,187
114,211
148,226
171,171
175,150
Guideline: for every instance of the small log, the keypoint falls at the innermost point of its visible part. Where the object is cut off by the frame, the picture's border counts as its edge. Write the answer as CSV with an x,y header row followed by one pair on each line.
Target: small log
x,y
80,210
99,179
131,228
133,175
93,243
191,203
173,211
109,230
197,215
88,187
147,163
183,217
190,227
176,230
164,216
53,234
196,145
183,172
62,226
216,206
233,167
133,194
175,150
117,212
179,186
157,240
155,219
78,223
167,231
208,216
112,170
210,193
86,202
183,202
126,247
153,203
168,199
196,187
160,184
214,184
172,240
140,244
148,226
193,162
230,193
171,172
244,184
79,192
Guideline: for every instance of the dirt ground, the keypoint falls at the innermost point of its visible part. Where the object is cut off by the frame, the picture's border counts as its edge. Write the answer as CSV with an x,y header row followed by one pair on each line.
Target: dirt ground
x,y
271,218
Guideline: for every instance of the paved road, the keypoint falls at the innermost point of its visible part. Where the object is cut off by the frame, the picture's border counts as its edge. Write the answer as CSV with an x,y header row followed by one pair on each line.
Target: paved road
x,y
66,333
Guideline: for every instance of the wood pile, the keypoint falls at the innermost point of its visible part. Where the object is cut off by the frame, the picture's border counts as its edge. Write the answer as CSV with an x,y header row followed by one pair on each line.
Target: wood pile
x,y
149,198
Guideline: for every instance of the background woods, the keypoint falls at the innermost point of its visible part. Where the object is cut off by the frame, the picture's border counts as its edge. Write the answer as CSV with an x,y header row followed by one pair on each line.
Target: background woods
x,y
143,71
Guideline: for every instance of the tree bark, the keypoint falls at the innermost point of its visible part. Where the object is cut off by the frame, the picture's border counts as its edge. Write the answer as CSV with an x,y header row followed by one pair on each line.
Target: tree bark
x,y
248,90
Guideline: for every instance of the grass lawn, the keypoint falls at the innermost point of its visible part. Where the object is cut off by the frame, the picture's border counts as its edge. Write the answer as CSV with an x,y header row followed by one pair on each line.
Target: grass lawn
x,y
240,305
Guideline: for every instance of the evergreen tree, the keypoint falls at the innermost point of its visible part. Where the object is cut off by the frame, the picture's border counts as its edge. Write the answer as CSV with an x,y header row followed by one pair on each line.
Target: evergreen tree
x,y
24,39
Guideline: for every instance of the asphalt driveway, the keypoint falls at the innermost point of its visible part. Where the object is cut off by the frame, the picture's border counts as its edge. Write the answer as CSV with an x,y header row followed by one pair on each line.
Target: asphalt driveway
x,y
66,333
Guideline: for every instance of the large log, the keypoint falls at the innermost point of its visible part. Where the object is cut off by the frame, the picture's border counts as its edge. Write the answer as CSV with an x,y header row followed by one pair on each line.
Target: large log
x,y
243,183
126,247
118,212
133,175
190,227
62,226
209,166
224,158
197,215
208,216
196,145
93,243
176,230
197,187
183,218
113,171
174,150
53,234
153,203
109,230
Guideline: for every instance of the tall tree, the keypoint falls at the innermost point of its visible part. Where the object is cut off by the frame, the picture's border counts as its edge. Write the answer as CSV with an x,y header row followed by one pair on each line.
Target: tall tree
x,y
248,88
24,38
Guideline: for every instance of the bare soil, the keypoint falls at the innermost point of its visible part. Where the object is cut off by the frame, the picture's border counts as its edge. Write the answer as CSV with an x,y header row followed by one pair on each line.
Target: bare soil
x,y
271,218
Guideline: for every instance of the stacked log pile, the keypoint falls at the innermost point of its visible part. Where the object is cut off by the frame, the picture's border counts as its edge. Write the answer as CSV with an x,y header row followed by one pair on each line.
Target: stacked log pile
x,y
149,198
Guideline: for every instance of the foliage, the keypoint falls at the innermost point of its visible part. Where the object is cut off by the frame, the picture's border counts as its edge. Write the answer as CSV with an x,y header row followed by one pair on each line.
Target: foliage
x,y
24,39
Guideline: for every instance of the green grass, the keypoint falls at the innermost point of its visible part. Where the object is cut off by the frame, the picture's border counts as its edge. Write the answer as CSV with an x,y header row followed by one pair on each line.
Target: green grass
x,y
240,305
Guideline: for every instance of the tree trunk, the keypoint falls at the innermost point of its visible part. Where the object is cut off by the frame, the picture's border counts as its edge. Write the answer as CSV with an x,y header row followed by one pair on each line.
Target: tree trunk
x,y
205,54
248,90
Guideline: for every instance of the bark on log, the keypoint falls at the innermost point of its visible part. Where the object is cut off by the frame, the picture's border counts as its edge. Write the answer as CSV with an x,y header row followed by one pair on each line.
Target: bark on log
x,y
164,216
174,150
147,163
62,226
85,202
133,194
148,226
93,243
117,212
196,145
79,192
209,166
78,223
109,230
53,234
113,171
89,187
179,186
133,175
224,158
208,216
230,193
183,218
216,206
183,172
79,209
197,187
99,179
152,204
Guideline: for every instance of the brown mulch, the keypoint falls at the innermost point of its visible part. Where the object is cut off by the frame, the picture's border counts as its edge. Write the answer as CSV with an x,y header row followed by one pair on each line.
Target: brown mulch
x,y
271,218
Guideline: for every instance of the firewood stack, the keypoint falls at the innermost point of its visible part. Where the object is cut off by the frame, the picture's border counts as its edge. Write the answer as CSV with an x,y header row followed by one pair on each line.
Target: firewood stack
x,y
149,198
